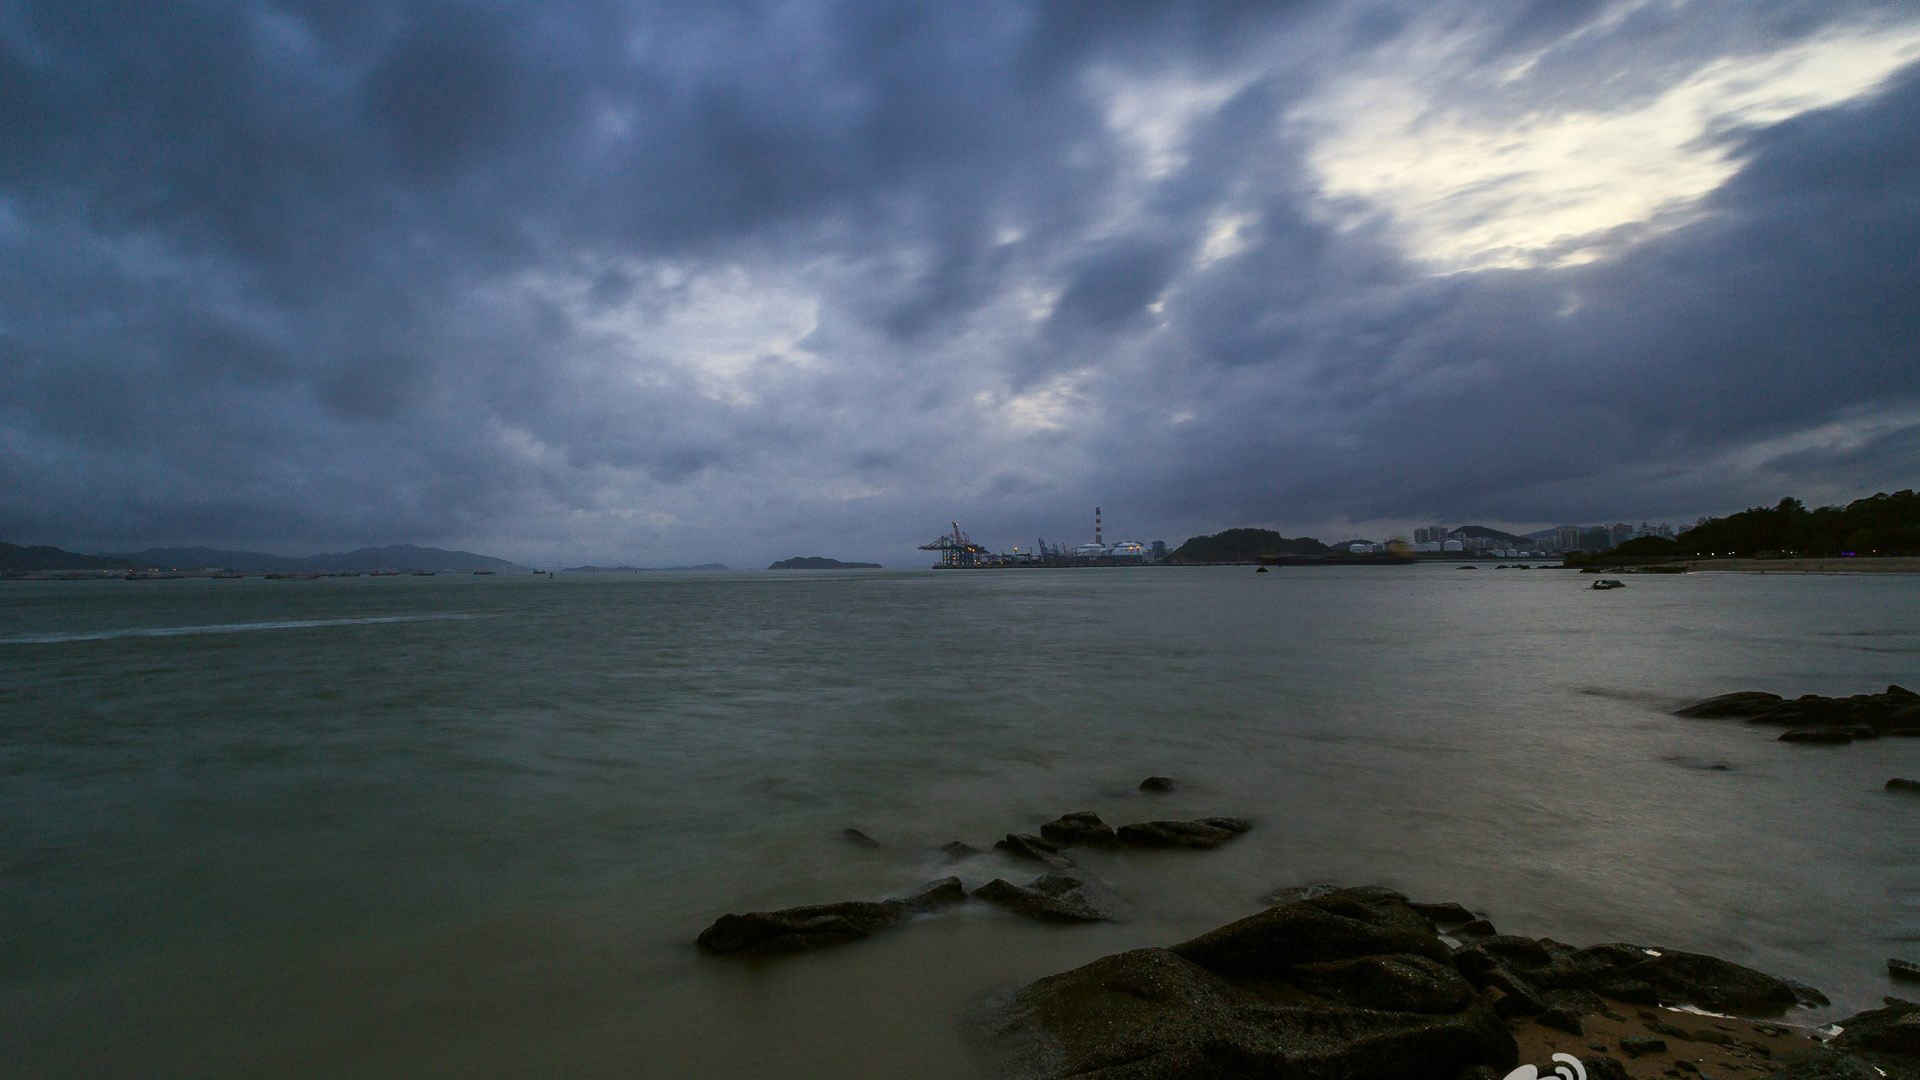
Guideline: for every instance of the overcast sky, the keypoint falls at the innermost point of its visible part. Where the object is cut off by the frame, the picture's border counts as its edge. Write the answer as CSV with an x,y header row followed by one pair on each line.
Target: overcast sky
x,y
724,280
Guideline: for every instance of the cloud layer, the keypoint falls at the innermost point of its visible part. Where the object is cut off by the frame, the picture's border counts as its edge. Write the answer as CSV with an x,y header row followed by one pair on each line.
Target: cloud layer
x,y
677,282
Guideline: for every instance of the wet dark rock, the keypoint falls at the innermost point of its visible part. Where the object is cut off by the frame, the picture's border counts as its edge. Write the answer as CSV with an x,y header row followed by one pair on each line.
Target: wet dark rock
x,y
1397,983
1204,833
1524,952
1443,914
1805,994
815,926
1576,1002
1295,893
1513,995
1080,827
1029,846
935,895
1157,783
1718,985
956,850
1336,926
1050,898
1633,973
1817,735
1555,1017
1153,1013
1863,716
1740,703
1356,982
1894,1029
1902,969
858,838
1822,1064
1478,928
1636,1045
1605,1068
1902,784
799,929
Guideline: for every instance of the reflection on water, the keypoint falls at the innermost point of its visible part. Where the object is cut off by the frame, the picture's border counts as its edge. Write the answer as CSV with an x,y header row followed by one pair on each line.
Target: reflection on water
x,y
396,838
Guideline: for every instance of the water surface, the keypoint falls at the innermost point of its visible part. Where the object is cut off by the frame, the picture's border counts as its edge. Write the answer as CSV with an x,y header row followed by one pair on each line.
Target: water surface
x,y
402,825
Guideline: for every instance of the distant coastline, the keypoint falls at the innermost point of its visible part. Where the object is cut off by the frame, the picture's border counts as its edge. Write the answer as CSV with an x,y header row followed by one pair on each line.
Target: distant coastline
x,y
643,569
1883,564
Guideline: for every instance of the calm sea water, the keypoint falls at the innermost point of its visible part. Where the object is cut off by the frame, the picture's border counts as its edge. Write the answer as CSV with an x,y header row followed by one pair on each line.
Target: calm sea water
x,y
403,826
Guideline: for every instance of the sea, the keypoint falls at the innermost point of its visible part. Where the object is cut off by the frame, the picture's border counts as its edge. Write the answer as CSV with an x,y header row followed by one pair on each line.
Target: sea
x,y
471,825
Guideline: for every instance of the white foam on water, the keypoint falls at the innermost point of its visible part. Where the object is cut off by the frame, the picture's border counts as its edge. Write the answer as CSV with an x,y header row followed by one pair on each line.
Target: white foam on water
x,y
222,628
1695,1010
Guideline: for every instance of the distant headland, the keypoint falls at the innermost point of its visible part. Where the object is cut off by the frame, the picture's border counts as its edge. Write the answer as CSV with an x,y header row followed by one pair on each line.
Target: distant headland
x,y
815,562
189,561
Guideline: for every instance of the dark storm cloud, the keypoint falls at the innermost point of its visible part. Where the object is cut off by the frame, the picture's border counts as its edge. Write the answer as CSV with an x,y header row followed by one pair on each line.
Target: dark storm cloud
x,y
1781,306
591,280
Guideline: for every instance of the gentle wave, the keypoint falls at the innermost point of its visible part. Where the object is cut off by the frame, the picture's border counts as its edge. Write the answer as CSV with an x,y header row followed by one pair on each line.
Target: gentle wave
x,y
221,628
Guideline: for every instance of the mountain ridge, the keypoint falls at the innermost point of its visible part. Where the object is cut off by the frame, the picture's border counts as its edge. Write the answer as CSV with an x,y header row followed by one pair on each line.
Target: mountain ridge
x,y
389,557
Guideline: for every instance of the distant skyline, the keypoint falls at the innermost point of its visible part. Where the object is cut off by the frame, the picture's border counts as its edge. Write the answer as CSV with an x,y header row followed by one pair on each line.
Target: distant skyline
x,y
592,282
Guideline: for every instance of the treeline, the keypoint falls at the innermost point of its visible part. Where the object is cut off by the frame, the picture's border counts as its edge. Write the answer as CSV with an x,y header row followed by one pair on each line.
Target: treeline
x,y
1881,524
1244,545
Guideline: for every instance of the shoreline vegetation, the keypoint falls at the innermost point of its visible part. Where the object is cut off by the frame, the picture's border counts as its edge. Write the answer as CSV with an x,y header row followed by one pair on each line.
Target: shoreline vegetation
x,y
1334,981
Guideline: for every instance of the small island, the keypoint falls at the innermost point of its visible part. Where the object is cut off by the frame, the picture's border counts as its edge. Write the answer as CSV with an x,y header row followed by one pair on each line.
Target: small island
x,y
816,562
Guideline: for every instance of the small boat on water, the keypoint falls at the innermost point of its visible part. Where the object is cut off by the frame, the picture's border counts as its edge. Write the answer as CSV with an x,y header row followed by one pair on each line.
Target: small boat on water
x,y
1259,569
1609,583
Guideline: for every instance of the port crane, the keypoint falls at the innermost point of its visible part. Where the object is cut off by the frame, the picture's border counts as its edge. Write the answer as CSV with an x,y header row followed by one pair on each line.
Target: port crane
x,y
956,549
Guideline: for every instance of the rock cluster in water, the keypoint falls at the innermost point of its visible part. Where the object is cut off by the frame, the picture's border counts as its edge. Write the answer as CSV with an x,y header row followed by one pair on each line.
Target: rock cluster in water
x,y
1811,718
1063,894
1332,982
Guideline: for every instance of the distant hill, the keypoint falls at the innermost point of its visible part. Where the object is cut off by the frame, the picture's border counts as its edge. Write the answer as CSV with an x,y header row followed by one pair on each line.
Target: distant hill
x,y
17,559
1466,532
642,569
407,557
815,562
199,558
1244,545
396,557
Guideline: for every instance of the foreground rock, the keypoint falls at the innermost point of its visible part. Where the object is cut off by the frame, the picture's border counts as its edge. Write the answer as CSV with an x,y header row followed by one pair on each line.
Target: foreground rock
x,y
799,929
1079,827
1893,1030
1813,718
1318,988
1050,898
1034,848
1522,970
1204,833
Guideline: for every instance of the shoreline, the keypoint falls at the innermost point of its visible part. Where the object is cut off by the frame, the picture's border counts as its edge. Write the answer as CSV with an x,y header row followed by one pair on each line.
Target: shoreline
x,y
1891,564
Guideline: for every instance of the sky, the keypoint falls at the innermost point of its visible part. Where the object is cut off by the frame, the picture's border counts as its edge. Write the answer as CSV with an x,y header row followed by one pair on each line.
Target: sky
x,y
730,281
